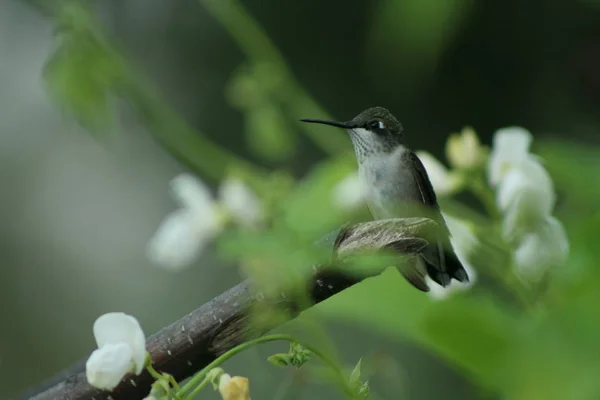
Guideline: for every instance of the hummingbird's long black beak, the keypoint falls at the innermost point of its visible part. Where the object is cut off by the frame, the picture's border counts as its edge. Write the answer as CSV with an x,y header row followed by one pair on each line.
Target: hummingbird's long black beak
x,y
345,125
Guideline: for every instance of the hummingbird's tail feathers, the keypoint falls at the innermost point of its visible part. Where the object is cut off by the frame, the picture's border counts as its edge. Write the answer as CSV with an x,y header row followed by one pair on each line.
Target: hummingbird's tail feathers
x,y
440,277
455,268
433,257
461,276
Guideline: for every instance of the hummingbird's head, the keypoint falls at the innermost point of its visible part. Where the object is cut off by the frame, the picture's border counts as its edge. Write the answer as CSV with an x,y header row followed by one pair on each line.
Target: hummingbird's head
x,y
374,130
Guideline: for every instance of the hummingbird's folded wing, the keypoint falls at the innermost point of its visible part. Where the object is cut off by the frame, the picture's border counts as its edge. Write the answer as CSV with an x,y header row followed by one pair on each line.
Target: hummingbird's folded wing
x,y
433,255
428,196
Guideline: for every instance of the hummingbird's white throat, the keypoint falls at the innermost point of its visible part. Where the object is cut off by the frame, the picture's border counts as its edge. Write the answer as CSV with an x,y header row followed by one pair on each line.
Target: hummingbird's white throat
x,y
368,143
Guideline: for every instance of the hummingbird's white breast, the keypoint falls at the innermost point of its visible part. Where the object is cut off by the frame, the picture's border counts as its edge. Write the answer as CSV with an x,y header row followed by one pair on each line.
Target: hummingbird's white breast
x,y
389,180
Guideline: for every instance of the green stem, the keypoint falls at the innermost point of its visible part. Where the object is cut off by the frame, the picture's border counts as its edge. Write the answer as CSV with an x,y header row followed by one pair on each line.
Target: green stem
x,y
188,145
514,285
158,376
200,376
255,43
154,373
174,383
180,139
486,196
198,388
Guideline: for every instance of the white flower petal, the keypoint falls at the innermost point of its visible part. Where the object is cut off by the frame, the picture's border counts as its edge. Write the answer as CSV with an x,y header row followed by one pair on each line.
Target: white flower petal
x,y
243,204
462,237
191,193
224,381
108,365
540,250
510,146
443,182
530,176
118,328
350,192
179,240
526,195
196,197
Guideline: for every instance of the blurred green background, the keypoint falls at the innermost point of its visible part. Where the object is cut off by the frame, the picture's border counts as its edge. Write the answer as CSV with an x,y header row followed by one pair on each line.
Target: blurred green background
x,y
77,212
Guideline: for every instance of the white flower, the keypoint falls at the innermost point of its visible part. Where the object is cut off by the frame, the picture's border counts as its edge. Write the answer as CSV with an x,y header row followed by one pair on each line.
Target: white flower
x,y
121,350
185,233
241,202
539,250
526,196
464,243
350,192
463,149
442,180
510,147
236,388
529,175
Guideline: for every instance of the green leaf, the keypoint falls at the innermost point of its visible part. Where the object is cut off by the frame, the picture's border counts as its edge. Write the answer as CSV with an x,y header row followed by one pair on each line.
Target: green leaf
x,y
82,74
300,355
276,244
310,211
473,333
280,360
363,391
355,374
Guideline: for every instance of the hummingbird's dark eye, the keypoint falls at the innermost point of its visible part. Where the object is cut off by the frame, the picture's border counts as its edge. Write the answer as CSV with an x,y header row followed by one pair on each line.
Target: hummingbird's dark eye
x,y
375,124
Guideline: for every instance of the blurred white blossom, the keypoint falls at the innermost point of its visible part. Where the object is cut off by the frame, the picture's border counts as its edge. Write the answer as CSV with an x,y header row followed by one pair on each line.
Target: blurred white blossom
x,y
243,204
185,233
121,350
464,243
526,196
350,192
464,150
528,176
234,388
510,147
443,181
544,248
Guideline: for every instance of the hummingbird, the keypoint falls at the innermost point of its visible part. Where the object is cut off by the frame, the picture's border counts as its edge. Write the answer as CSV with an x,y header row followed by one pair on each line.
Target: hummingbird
x,y
398,187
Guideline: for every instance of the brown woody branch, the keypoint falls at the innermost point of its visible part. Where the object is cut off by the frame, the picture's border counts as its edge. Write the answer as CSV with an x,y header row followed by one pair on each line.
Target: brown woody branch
x,y
195,340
